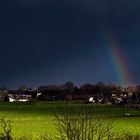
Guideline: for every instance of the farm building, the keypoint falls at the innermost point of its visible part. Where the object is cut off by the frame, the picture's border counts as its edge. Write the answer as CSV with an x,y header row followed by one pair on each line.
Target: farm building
x,y
21,96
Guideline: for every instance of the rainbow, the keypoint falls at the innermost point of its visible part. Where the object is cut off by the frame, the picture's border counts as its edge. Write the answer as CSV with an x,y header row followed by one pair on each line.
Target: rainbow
x,y
120,69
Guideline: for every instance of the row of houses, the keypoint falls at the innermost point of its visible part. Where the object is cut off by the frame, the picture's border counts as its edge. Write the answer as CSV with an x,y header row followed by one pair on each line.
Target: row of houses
x,y
16,95
125,98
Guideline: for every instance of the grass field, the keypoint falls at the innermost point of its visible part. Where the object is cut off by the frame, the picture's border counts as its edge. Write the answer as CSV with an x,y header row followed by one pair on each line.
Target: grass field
x,y
38,118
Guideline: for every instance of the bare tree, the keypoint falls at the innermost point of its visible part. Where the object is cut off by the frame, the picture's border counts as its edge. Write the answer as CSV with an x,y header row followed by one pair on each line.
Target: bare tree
x,y
5,125
74,125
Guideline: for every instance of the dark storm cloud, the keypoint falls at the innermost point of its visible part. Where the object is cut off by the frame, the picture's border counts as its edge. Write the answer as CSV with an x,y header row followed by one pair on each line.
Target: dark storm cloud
x,y
46,41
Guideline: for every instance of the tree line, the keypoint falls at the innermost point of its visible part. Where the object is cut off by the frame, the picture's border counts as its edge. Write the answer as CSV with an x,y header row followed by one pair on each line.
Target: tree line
x,y
69,91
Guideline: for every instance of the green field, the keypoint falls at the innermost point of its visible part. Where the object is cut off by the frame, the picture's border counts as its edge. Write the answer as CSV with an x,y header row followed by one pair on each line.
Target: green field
x,y
38,118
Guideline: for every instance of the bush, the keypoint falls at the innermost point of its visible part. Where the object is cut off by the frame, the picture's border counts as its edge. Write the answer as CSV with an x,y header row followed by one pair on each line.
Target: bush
x,y
131,136
83,126
45,137
5,125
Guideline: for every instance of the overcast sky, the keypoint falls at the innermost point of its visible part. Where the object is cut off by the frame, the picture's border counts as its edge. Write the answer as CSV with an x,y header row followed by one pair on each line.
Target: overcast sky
x,y
51,42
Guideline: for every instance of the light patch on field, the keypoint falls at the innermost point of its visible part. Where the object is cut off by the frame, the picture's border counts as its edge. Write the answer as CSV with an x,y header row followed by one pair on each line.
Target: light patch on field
x,y
39,118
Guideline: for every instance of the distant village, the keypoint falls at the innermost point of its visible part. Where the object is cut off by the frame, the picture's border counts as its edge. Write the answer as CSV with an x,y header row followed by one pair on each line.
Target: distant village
x,y
111,94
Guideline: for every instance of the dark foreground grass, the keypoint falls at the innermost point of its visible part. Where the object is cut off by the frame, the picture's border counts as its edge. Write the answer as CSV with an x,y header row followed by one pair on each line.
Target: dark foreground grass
x,y
38,118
